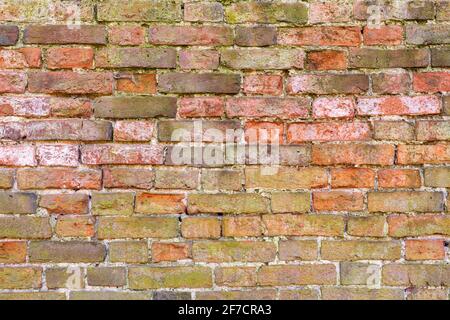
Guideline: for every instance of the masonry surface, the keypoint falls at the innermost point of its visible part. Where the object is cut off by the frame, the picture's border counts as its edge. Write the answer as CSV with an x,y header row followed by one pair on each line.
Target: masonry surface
x,y
92,205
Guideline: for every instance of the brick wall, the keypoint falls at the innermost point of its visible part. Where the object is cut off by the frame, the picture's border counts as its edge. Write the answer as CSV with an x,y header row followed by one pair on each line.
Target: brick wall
x,y
93,203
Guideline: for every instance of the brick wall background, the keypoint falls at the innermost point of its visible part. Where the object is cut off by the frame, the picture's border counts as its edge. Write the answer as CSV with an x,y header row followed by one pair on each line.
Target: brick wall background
x,y
93,206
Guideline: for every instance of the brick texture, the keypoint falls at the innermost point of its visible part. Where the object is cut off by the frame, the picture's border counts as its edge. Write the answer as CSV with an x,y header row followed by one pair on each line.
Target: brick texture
x,y
224,149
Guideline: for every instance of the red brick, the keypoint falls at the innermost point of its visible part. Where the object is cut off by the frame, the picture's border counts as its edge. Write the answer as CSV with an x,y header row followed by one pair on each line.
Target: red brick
x,y
325,107
421,154
199,107
121,154
200,228
123,178
12,82
338,201
391,83
17,155
20,58
199,59
70,58
263,84
58,178
419,105
191,35
126,35
13,252
328,84
133,130
351,131
329,11
65,203
399,178
383,35
170,251
352,178
425,249
320,36
144,83
57,155
154,203
431,82
242,227
326,60
75,227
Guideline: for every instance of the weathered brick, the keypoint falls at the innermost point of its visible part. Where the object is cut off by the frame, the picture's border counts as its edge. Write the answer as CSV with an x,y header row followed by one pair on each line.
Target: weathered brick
x,y
199,59
141,278
172,295
177,179
416,275
136,227
425,225
383,35
109,204
328,131
33,296
259,36
6,178
107,295
235,276
128,251
328,11
58,178
200,228
59,252
431,82
425,249
126,35
70,58
373,226
328,84
253,294
20,278
404,10
286,275
262,59
70,82
122,178
17,203
427,34
266,12
191,35
201,107
61,34
8,35
233,251
57,155
299,294
393,130
304,250
440,57
187,130
70,107
12,82
133,57
437,177
357,273
242,226
13,252
404,201
303,225
433,130
57,278
20,58
391,83
342,293
203,12
325,107
122,154
421,154
65,203
154,203
427,294
170,251
382,58
280,108
222,180
106,276
352,178
144,83
263,84
25,227
199,83
360,250
443,10
291,202
80,227
322,36
338,201
399,178
286,178
326,60
357,154
239,203
139,10
133,130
